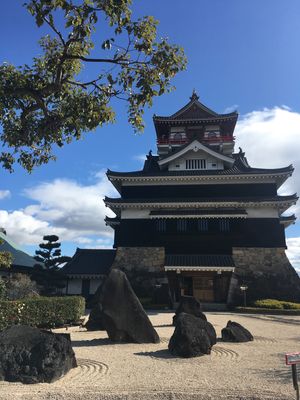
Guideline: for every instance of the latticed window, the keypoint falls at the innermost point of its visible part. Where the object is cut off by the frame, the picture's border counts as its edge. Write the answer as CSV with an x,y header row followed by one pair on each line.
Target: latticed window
x,y
181,225
202,225
195,164
161,225
178,136
224,225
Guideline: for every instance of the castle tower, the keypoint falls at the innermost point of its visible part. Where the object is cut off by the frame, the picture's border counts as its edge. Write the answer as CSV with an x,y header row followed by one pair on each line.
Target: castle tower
x,y
201,216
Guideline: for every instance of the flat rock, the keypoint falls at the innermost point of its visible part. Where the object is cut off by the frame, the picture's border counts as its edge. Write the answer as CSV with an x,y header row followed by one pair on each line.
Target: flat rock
x,y
31,355
189,305
123,316
234,332
192,337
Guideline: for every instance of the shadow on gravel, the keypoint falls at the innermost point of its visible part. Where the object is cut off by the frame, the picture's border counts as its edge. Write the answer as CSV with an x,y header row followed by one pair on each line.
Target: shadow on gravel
x,y
93,342
278,375
164,354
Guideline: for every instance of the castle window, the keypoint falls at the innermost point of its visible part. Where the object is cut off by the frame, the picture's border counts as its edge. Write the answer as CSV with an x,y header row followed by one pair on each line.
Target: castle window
x,y
161,225
182,225
212,132
224,225
195,164
178,136
177,133
202,225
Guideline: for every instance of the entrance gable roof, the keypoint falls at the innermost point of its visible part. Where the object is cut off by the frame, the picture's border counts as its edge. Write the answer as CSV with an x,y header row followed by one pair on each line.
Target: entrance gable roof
x,y
195,145
198,260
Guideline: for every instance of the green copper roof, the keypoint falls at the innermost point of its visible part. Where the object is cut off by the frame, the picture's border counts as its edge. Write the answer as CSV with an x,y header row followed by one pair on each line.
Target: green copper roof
x,y
20,258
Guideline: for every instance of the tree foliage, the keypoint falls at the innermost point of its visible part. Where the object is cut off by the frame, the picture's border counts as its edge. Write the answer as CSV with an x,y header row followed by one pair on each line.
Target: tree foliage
x,y
50,103
47,273
49,254
5,257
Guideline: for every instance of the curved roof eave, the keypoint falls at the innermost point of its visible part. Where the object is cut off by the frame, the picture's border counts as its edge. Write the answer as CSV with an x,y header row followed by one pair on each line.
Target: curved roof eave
x,y
170,174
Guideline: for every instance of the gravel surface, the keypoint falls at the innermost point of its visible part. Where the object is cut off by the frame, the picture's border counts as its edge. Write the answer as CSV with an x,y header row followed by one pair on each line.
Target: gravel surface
x,y
106,371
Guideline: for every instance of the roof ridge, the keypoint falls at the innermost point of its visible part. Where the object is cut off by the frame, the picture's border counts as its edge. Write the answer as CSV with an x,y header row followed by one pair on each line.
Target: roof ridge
x,y
195,100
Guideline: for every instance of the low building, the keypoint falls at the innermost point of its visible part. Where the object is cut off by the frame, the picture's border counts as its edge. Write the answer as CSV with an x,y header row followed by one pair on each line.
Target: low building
x,y
86,270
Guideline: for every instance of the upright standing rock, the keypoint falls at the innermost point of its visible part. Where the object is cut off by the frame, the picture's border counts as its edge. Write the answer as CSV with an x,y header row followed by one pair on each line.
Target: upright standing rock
x,y
123,316
31,355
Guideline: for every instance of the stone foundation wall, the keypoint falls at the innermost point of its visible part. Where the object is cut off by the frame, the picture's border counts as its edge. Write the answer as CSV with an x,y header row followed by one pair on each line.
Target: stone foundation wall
x,y
267,272
149,259
261,260
144,267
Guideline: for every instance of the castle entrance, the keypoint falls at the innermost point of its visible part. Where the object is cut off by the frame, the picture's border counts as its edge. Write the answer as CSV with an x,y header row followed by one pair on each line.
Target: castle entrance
x,y
206,286
203,288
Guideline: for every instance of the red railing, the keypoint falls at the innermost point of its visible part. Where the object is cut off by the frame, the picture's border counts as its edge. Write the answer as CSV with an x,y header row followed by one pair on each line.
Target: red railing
x,y
171,141
219,139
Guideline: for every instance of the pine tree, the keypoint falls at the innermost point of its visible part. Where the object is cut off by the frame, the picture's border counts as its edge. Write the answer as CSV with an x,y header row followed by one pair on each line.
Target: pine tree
x,y
47,273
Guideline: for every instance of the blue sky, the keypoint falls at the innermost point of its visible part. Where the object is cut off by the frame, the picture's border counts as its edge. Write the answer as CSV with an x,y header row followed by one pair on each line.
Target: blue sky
x,y
241,54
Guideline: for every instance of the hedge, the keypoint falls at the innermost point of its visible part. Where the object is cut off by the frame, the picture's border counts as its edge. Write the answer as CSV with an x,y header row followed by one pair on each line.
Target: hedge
x,y
276,304
265,311
43,312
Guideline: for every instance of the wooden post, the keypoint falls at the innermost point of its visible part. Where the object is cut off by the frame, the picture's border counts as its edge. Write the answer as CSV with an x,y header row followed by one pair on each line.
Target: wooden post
x,y
295,380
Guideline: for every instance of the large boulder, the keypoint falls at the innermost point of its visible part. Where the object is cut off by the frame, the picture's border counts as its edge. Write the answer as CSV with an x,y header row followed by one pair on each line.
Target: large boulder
x,y
234,332
31,355
192,336
189,305
123,316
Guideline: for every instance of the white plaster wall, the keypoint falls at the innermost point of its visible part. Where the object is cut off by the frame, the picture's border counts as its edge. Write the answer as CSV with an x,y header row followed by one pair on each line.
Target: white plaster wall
x,y
201,181
180,164
135,214
74,286
266,212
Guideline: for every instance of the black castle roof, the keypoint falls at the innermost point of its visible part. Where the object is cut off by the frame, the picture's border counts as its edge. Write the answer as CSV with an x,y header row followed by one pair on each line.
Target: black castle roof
x,y
90,262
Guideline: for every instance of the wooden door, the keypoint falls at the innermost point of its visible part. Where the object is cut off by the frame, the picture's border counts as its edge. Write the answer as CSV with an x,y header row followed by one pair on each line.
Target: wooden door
x,y
203,288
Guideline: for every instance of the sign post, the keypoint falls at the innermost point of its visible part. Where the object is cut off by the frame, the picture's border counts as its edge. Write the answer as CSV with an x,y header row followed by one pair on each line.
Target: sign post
x,y
293,359
244,289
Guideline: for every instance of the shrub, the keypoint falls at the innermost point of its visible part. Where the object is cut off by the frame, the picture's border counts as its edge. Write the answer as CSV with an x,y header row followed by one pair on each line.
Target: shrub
x,y
43,312
20,286
2,289
287,305
276,304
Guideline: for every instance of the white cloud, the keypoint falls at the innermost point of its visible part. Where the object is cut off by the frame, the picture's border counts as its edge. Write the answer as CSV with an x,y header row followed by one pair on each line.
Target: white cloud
x,y
4,194
293,252
230,109
23,228
271,139
64,207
